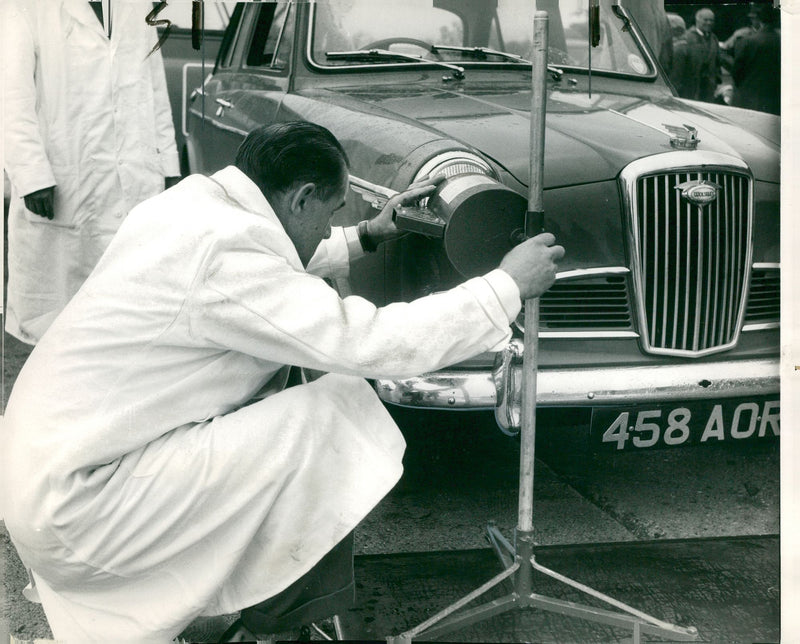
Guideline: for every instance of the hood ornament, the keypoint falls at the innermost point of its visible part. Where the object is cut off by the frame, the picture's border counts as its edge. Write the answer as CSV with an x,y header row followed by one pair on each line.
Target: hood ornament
x,y
682,137
699,192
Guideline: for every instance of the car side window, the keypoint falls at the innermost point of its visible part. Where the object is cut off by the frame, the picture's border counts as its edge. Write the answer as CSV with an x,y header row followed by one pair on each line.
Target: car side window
x,y
272,36
225,56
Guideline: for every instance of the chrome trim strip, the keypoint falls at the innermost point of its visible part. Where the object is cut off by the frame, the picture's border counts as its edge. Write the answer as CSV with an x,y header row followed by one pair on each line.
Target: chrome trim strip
x,y
761,326
686,161
588,334
185,92
580,273
766,266
215,123
280,33
592,386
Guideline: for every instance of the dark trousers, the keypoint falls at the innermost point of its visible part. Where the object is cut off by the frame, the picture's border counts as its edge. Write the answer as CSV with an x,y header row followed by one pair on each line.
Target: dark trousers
x,y
325,590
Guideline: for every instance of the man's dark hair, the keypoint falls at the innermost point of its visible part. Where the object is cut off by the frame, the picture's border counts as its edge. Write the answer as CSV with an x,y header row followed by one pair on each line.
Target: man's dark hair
x,y
279,156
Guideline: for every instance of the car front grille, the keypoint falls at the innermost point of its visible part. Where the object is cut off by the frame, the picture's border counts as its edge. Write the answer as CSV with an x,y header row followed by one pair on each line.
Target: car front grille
x,y
690,263
764,302
599,303
602,305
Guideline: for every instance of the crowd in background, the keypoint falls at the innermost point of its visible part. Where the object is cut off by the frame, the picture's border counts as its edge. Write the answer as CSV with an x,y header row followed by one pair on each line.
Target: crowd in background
x,y
743,70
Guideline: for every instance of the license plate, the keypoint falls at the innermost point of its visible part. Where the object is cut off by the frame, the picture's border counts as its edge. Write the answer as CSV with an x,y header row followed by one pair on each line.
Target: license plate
x,y
673,425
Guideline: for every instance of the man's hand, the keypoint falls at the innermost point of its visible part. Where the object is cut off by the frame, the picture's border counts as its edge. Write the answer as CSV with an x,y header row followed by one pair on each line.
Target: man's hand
x,y
41,202
532,264
382,228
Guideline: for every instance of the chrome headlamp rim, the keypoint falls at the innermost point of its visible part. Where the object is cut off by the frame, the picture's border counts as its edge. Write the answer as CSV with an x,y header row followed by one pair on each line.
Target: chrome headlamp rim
x,y
451,158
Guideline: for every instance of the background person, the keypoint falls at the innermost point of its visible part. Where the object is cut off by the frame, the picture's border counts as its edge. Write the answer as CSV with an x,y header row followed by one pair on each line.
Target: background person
x,y
148,487
696,71
678,29
728,46
88,134
756,69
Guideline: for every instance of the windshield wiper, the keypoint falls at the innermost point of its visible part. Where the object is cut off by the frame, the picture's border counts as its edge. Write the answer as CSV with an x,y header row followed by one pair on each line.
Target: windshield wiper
x,y
385,54
480,52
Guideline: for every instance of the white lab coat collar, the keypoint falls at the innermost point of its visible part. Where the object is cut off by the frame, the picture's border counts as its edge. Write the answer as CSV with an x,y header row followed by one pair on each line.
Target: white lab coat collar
x,y
241,189
83,13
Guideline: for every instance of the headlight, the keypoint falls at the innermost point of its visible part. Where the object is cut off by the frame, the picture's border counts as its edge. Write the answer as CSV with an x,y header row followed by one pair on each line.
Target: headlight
x,y
454,163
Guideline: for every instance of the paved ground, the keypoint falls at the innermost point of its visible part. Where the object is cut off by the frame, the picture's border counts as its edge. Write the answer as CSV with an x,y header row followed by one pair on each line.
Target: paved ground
x,y
726,588
614,521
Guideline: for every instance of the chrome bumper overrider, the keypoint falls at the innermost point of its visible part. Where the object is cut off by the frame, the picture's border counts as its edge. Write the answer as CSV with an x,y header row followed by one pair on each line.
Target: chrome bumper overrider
x,y
453,389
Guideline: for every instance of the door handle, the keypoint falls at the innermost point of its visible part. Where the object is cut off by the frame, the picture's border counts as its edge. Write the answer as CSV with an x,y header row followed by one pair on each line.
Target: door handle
x,y
223,105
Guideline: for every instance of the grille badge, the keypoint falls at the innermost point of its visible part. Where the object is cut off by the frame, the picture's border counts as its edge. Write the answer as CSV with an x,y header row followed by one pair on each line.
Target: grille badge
x,y
699,192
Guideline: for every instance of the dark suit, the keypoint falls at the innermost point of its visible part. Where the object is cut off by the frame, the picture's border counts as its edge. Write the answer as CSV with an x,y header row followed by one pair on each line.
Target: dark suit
x,y
696,66
757,71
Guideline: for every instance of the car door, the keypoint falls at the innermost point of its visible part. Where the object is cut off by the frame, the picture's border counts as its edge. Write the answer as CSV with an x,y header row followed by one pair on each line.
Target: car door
x,y
248,84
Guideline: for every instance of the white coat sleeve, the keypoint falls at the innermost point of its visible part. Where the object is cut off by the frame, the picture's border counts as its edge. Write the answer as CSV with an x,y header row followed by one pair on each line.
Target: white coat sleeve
x,y
164,127
255,303
25,156
333,256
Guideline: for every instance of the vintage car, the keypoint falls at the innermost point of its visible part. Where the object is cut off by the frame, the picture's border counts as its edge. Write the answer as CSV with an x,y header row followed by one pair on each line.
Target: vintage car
x,y
662,327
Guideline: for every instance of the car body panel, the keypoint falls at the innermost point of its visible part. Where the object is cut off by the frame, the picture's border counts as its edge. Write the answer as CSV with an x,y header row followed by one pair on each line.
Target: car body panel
x,y
393,119
495,121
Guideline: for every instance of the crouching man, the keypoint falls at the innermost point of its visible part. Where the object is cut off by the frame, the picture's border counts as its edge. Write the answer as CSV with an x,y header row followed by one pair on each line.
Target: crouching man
x,y
142,488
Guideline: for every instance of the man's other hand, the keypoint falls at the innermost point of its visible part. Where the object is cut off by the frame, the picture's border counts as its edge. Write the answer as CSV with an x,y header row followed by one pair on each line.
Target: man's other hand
x,y
382,228
533,264
41,202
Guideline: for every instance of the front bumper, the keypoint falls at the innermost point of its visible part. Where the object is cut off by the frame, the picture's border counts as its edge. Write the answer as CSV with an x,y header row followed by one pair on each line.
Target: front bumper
x,y
590,387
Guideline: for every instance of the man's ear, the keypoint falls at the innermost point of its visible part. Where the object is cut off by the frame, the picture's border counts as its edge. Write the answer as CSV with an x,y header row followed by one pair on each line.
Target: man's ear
x,y
300,197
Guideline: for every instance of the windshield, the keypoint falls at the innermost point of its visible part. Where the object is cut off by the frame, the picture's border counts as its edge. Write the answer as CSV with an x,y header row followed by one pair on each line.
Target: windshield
x,y
349,33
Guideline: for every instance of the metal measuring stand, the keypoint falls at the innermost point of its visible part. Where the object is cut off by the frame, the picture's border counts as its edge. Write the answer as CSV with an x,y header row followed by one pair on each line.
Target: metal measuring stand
x,y
519,561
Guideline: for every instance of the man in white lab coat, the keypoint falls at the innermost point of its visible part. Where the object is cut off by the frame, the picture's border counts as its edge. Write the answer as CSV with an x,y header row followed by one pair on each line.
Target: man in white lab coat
x,y
145,487
88,134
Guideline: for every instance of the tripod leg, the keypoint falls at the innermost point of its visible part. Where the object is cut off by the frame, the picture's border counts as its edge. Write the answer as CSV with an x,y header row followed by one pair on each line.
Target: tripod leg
x,y
644,617
442,615
504,550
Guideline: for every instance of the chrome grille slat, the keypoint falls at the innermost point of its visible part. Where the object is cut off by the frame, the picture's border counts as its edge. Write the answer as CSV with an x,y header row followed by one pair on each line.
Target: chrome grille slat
x,y
730,244
713,325
707,279
687,274
676,281
692,261
725,273
740,243
665,282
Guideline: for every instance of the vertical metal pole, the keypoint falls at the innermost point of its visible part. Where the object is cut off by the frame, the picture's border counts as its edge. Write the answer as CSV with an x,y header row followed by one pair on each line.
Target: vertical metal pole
x,y
534,219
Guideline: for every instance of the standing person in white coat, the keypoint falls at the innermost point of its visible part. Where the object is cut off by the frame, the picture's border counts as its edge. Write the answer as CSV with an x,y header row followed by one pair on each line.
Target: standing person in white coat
x,y
145,487
88,134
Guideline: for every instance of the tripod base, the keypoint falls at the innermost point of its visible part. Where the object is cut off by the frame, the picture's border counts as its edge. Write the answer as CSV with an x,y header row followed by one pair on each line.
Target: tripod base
x,y
519,566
